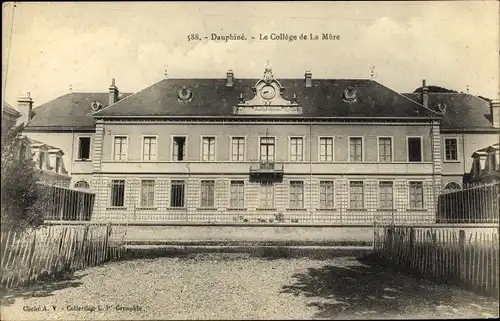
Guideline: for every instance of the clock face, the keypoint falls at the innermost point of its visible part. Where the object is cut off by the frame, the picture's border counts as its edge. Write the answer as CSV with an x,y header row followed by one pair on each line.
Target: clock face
x,y
267,92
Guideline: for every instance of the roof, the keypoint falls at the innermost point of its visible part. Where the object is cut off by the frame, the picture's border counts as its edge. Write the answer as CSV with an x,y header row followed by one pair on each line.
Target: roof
x,y
488,148
10,110
211,97
463,111
71,110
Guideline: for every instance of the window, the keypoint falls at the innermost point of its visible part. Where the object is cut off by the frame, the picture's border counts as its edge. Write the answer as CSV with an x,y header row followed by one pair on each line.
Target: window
x,y
117,193
237,194
147,193
385,193
23,151
149,148
414,149
41,160
326,149
356,149
326,194
84,148
179,145
356,195
296,194
452,186
82,184
208,149
385,149
120,148
207,193
451,149
296,149
58,164
238,148
267,149
416,195
177,194
266,195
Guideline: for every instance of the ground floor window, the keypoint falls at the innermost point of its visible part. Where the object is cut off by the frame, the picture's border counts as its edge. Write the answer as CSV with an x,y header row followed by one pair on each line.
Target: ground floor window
x,y
177,194
147,193
117,193
356,189
416,195
385,195
207,194
326,194
237,194
296,194
267,195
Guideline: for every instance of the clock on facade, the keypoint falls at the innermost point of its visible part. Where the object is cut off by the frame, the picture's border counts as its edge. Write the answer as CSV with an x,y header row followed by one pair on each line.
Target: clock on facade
x,y
267,92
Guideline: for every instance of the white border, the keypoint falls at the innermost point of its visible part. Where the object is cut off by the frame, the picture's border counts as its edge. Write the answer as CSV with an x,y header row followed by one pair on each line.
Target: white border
x,y
444,150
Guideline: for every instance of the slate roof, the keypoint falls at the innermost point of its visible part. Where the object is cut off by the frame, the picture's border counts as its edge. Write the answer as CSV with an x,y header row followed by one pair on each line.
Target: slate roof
x,y
211,97
10,110
463,111
71,111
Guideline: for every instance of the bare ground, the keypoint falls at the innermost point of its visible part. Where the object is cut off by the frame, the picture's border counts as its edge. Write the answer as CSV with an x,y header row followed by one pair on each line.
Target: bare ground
x,y
236,286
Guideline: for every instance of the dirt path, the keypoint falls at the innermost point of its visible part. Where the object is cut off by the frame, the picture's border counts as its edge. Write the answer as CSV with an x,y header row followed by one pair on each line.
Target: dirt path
x,y
216,286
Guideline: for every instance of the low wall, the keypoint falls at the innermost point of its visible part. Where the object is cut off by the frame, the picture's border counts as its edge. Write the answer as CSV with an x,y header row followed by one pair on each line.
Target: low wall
x,y
295,234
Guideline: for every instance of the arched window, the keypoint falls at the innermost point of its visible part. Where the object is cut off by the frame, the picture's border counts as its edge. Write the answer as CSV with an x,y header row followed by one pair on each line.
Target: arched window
x,y
452,186
82,184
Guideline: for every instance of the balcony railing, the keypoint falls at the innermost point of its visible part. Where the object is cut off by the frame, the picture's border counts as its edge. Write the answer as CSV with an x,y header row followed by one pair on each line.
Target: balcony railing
x,y
267,170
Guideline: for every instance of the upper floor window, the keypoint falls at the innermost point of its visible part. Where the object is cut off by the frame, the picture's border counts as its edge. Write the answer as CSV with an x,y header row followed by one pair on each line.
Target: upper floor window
x,y
83,148
385,149
41,160
149,148
326,149
238,148
296,149
356,149
120,148
208,149
414,149
267,149
451,149
58,164
179,148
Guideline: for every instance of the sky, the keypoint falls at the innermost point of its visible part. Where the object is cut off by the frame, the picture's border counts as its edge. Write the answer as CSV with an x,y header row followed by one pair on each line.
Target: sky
x,y
49,47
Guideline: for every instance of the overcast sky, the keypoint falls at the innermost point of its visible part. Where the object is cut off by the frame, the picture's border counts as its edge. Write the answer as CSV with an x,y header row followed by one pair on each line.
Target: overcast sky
x,y
53,45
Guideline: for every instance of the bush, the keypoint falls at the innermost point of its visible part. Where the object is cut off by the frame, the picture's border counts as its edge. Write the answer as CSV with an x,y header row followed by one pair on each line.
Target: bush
x,y
23,199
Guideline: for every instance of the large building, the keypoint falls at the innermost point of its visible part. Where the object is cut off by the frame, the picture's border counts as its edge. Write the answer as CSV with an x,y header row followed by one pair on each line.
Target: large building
x,y
296,150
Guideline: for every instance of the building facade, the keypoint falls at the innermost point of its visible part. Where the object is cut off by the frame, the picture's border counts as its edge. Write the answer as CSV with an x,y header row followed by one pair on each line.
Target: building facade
x,y
253,150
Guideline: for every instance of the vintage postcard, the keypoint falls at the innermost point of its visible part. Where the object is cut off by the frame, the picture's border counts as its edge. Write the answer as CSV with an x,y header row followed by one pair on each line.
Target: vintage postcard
x,y
250,160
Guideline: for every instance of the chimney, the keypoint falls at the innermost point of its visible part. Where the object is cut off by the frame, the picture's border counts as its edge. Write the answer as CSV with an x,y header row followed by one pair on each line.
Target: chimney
x,y
495,112
308,78
230,78
425,94
25,107
113,92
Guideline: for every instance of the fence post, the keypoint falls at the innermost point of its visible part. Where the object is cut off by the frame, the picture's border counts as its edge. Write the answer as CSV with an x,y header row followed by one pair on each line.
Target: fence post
x,y
411,245
32,255
461,254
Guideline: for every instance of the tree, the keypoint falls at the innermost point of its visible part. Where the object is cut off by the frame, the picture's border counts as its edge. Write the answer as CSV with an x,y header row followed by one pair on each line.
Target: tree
x,y
436,89
23,199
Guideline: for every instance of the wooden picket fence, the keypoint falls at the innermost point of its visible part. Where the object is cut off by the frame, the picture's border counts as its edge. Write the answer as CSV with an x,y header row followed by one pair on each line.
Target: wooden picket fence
x,y
443,255
51,250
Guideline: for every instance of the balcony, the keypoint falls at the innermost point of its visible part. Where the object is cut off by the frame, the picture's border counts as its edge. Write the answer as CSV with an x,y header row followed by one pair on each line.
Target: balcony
x,y
266,171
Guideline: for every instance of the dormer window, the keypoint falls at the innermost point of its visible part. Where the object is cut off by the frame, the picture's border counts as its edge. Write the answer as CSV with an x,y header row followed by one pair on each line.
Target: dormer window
x,y
58,165
41,160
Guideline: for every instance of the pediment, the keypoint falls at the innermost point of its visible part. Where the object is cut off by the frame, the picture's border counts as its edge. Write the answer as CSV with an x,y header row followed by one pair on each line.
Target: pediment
x,y
267,99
